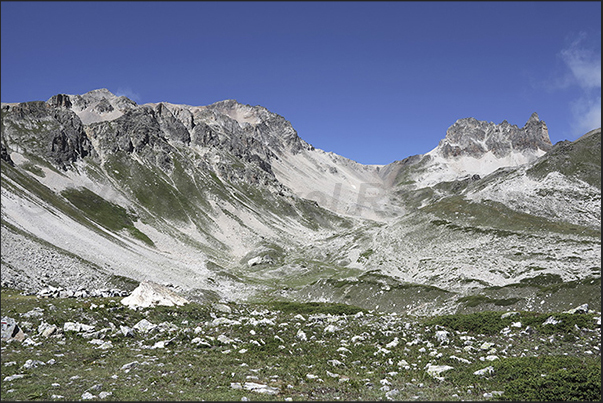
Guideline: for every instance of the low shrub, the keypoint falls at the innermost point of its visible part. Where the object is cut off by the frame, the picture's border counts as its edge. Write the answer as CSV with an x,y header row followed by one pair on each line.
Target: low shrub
x,y
549,378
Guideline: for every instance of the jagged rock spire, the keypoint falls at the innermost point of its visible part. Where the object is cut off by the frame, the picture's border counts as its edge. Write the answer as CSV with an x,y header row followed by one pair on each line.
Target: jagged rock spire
x,y
474,138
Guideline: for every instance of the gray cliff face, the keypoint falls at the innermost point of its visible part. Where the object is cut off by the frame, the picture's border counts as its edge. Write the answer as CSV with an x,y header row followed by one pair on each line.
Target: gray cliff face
x,y
243,127
102,99
471,137
250,134
43,129
173,128
138,131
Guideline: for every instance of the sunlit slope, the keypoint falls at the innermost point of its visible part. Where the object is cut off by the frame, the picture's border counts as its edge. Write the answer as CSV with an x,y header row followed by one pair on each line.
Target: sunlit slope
x,y
520,237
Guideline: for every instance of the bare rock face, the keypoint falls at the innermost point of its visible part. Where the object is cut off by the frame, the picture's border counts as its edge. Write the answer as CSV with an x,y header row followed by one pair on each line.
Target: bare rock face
x,y
60,100
474,138
5,156
149,294
45,129
174,129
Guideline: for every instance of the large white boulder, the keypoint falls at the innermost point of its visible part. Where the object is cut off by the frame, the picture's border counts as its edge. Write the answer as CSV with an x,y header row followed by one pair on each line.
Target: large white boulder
x,y
149,294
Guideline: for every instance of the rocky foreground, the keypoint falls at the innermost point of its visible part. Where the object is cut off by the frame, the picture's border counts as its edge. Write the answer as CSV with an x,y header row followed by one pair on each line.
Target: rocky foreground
x,y
94,348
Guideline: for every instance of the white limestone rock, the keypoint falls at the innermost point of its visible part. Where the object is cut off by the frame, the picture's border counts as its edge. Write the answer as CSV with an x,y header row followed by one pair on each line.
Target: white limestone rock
x,y
149,294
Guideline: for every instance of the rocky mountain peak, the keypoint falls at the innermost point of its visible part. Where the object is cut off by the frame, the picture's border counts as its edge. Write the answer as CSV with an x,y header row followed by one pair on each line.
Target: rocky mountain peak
x,y
94,106
244,114
256,125
474,138
99,94
534,118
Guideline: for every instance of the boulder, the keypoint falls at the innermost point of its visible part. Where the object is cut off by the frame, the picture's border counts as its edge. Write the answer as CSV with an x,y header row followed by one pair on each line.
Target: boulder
x,y
11,330
149,294
71,327
435,370
551,321
222,308
256,387
32,364
144,326
442,336
580,309
47,330
485,371
126,331
260,260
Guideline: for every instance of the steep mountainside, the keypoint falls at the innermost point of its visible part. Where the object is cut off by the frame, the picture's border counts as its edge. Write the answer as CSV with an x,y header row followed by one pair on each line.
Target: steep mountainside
x,y
226,201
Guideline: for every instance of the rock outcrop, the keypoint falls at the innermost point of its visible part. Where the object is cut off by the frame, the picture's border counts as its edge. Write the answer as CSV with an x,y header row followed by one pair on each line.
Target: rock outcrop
x,y
474,138
149,294
45,130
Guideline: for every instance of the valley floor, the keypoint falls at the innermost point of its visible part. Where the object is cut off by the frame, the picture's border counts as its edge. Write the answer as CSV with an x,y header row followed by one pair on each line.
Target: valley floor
x,y
98,349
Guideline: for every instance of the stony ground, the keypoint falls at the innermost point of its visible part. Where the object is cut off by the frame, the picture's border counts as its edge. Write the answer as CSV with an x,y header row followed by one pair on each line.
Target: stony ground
x,y
98,349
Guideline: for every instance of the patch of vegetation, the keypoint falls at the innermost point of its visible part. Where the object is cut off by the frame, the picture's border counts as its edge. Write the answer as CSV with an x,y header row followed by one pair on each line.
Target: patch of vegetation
x,y
374,290
550,378
123,282
472,229
542,280
475,300
364,256
69,208
492,322
491,217
34,169
311,308
480,322
550,283
149,186
100,211
579,159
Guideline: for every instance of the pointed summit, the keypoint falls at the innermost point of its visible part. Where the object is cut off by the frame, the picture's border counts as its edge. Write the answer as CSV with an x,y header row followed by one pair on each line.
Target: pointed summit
x,y
534,118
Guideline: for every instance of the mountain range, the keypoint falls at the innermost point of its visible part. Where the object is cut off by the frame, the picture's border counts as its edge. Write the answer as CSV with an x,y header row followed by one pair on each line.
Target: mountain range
x,y
227,202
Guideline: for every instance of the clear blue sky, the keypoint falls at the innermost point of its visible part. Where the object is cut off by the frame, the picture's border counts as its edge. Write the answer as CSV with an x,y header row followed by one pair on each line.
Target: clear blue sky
x,y
372,81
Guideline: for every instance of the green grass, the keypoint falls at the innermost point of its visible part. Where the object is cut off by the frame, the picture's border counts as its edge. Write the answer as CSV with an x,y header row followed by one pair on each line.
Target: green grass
x,y
34,169
565,379
364,256
107,214
490,217
311,308
122,282
476,300
579,159
265,349
83,205
490,322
